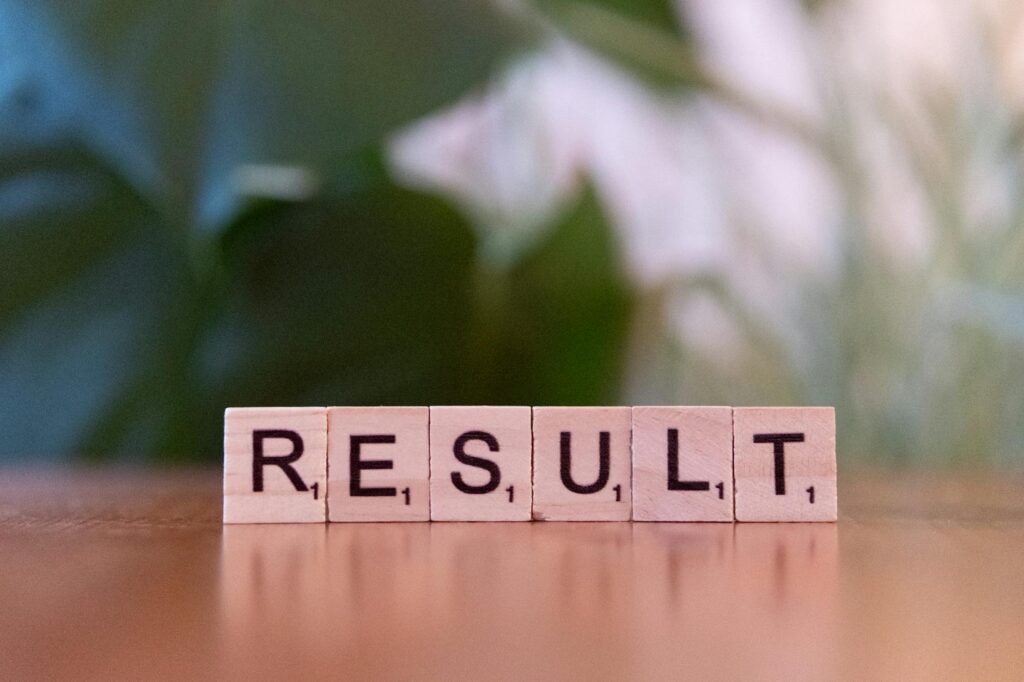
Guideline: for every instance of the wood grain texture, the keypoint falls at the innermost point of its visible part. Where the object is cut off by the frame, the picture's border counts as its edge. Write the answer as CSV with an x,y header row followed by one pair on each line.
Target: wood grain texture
x,y
111,575
608,497
400,492
699,486
502,437
785,463
281,500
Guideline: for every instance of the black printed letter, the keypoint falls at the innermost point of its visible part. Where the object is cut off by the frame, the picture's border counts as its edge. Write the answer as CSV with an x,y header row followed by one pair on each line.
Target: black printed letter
x,y
780,440
460,454
602,476
284,461
673,467
357,465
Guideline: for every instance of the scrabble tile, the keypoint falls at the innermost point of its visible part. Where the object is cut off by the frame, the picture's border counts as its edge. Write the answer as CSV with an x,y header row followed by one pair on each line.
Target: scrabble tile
x,y
275,464
581,463
378,464
785,463
682,464
480,463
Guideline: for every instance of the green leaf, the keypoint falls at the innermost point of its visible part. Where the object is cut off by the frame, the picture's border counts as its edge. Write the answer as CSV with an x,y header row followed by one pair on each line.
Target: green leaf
x,y
141,290
87,293
660,14
365,300
120,135
111,347
554,330
645,37
177,95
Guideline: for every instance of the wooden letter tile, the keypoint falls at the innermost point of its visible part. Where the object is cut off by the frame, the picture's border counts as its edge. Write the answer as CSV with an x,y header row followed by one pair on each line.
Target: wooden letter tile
x,y
275,464
785,463
480,463
581,463
682,464
378,468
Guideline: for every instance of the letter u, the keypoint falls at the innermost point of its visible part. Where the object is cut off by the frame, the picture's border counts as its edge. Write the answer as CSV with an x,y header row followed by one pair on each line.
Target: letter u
x,y
603,472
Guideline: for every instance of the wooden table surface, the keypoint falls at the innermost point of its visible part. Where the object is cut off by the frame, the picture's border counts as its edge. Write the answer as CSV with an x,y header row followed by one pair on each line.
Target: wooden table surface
x,y
131,575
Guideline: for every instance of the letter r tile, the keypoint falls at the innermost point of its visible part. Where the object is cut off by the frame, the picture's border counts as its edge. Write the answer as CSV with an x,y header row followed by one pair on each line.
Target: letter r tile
x,y
785,463
378,464
581,463
275,464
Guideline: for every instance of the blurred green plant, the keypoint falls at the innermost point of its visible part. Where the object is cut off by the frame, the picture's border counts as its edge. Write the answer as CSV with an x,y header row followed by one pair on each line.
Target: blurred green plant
x,y
920,358
194,214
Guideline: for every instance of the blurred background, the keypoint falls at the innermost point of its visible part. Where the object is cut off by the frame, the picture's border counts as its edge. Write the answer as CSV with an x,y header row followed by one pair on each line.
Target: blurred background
x,y
212,203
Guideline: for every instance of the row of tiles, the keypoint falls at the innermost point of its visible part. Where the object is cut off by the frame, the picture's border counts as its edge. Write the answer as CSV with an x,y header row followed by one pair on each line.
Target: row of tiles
x,y
505,463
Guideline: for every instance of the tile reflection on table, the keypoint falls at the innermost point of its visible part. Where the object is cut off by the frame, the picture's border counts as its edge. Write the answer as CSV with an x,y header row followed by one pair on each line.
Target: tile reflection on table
x,y
272,579
527,599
